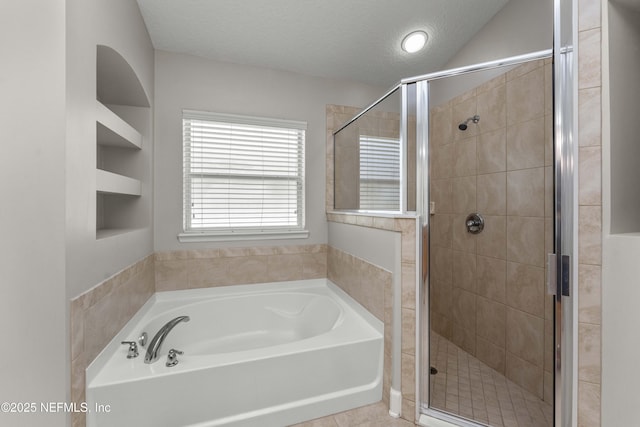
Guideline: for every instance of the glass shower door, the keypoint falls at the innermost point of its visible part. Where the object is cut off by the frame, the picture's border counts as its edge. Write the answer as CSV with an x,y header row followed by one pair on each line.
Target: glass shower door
x,y
490,221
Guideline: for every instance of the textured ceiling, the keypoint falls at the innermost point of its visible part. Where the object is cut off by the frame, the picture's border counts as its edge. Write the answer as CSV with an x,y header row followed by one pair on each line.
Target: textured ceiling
x,y
344,39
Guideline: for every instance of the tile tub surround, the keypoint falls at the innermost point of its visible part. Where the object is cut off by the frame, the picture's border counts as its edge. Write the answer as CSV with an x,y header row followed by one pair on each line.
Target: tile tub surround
x,y
365,282
371,286
97,315
341,266
204,268
121,296
488,294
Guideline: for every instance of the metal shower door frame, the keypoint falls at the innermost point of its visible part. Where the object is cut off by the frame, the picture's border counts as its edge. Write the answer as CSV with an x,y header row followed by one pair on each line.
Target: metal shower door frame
x,y
564,227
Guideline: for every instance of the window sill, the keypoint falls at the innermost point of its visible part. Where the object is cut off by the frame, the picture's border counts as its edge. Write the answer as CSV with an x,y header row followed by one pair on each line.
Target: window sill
x,y
208,236
373,214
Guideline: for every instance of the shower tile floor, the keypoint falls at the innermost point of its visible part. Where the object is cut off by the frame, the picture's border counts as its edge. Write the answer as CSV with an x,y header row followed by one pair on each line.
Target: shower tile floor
x,y
467,387
463,386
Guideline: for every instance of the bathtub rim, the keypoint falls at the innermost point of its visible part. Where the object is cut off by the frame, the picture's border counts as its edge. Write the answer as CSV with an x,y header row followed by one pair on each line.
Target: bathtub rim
x,y
170,299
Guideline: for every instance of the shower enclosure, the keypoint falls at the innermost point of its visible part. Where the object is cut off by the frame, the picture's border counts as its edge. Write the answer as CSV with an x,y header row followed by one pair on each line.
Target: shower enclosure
x,y
490,224
480,155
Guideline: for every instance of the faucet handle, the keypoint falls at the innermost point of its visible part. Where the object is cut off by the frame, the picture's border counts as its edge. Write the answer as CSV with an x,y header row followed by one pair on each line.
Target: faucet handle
x,y
133,349
142,339
172,357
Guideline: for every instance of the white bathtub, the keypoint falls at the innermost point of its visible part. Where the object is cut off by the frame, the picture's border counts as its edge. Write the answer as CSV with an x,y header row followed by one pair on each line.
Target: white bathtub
x,y
254,355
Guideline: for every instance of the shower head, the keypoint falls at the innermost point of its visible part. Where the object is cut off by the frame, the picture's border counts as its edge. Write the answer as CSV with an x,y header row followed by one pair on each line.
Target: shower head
x,y
474,119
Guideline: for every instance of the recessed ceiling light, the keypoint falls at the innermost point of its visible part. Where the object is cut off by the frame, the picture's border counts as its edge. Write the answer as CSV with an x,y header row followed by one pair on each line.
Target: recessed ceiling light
x,y
414,41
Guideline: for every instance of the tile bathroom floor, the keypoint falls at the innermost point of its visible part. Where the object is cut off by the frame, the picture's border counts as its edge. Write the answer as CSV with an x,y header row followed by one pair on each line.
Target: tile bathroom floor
x,y
375,415
467,387
463,386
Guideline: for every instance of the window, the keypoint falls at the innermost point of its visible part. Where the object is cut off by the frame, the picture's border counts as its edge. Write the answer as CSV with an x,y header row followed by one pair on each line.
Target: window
x,y
243,176
379,173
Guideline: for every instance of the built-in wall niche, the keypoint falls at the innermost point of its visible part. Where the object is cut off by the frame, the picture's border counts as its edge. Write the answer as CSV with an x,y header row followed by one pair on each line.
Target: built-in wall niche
x,y
117,214
624,66
123,122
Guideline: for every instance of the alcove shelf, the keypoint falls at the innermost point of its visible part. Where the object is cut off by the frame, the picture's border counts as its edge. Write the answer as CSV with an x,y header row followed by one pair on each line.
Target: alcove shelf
x,y
113,183
122,117
113,131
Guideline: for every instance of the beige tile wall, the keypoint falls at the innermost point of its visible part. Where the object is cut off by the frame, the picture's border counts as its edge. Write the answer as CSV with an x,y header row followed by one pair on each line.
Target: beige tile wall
x,y
488,292
365,282
491,270
371,286
590,212
97,315
336,116
491,282
232,266
347,169
347,165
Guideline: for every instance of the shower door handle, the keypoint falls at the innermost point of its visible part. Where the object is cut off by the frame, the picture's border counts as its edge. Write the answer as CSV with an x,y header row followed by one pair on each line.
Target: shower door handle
x,y
565,280
552,274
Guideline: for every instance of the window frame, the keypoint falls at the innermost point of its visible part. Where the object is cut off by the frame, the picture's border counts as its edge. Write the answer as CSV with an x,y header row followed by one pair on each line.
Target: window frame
x,y
256,232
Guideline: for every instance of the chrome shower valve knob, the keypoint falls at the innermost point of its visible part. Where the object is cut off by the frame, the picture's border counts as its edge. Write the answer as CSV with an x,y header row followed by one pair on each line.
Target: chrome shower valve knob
x,y
474,223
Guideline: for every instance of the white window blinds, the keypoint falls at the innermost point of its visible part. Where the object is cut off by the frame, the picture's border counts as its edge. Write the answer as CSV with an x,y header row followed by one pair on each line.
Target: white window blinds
x,y
379,173
242,174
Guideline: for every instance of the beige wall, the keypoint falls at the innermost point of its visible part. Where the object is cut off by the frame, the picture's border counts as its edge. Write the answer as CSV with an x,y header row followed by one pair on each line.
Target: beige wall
x,y
32,183
520,27
186,81
119,25
621,242
488,289
624,62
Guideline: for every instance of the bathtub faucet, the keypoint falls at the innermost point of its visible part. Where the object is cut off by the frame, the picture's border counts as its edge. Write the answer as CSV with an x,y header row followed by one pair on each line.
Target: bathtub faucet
x,y
158,339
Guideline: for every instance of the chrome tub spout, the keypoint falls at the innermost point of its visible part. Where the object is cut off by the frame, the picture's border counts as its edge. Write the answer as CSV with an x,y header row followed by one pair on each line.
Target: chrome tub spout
x,y
158,339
